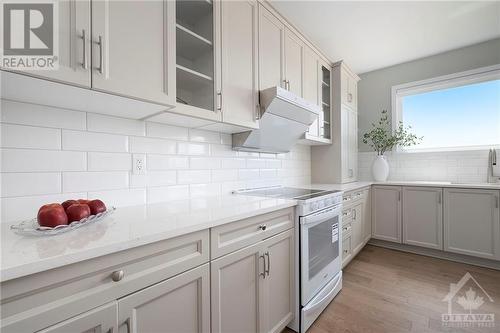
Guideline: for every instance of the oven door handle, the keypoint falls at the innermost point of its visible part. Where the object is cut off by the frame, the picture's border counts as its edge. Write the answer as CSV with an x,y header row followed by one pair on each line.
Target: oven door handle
x,y
321,216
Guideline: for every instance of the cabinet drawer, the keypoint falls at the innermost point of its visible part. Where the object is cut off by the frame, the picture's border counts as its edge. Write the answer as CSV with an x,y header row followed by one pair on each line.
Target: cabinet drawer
x,y
347,215
351,197
346,230
55,295
234,236
346,249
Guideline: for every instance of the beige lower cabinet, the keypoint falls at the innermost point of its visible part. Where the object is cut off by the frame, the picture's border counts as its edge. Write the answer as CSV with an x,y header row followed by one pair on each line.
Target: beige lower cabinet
x,y
423,217
356,223
102,319
357,227
472,222
367,216
252,288
386,213
179,304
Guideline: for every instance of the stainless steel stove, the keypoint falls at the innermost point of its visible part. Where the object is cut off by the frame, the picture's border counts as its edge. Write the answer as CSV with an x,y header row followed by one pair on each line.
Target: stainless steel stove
x,y
318,238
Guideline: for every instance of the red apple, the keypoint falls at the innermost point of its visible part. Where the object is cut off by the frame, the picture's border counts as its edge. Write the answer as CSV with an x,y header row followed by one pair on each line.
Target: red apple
x,y
52,215
96,206
68,203
83,201
76,212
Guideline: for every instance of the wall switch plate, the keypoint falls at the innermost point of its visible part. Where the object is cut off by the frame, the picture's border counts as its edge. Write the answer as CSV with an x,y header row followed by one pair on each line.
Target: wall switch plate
x,y
139,164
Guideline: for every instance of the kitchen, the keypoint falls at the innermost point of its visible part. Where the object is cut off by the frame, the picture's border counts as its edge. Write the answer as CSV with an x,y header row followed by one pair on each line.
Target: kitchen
x,y
250,166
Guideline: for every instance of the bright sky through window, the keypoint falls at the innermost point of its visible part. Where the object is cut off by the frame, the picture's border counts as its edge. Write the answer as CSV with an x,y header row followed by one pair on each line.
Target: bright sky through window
x,y
464,116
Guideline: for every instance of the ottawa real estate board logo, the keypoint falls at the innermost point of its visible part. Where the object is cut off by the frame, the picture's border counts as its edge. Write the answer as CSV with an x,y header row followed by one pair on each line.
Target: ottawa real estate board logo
x,y
466,302
29,35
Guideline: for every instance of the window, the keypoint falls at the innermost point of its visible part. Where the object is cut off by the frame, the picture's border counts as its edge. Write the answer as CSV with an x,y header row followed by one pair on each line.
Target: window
x,y
460,111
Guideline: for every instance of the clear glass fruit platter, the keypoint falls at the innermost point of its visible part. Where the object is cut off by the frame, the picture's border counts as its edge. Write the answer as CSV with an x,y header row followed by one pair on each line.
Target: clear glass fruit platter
x,y
32,228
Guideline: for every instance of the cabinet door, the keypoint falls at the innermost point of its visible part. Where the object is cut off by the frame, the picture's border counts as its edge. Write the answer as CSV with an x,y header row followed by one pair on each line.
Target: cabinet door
x,y
423,217
311,83
386,210
357,227
271,50
346,250
367,216
99,320
135,55
279,285
293,62
237,293
471,222
74,44
239,63
179,304
348,89
349,144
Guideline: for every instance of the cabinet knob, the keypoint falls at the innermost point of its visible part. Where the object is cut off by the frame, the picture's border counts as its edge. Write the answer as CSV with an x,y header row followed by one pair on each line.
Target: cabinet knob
x,y
117,275
263,227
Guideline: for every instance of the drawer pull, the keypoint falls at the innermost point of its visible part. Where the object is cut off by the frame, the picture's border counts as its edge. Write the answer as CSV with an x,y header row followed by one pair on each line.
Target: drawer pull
x,y
263,227
117,275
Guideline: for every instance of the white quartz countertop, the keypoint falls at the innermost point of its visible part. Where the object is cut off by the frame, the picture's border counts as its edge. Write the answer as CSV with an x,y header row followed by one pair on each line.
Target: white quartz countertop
x,y
361,184
126,228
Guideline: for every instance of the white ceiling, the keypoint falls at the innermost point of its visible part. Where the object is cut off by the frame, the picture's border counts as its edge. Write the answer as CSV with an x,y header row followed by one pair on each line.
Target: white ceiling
x,y
370,35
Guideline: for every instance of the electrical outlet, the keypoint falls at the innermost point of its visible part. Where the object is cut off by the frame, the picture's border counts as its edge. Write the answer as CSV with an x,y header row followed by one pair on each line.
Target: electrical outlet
x,y
139,164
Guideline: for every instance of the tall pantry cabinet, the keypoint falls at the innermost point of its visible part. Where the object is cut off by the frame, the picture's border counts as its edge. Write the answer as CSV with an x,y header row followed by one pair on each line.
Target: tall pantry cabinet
x,y
338,162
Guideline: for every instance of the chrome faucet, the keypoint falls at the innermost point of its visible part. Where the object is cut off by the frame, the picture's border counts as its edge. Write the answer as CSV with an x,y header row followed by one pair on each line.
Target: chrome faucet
x,y
493,168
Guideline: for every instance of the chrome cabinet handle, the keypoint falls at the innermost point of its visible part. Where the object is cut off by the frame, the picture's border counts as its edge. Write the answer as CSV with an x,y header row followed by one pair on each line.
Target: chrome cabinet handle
x,y
100,69
263,227
219,101
263,274
117,275
84,48
268,263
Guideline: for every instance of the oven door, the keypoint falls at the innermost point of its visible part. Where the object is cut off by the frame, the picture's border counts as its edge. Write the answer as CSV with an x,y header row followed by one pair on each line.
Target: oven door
x,y
319,250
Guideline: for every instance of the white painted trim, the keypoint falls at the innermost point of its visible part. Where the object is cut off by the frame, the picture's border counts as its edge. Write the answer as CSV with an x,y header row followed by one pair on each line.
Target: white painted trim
x,y
441,82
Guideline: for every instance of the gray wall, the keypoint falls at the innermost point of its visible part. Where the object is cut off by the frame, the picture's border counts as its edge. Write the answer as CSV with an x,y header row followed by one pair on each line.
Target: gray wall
x,y
374,89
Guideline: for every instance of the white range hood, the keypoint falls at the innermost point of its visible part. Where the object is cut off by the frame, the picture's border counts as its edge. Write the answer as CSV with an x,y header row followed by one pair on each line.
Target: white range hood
x,y
284,119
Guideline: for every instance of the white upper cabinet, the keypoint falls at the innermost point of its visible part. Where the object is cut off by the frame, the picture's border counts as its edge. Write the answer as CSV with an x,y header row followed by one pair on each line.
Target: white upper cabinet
x,y
294,57
472,222
133,49
74,45
349,88
239,63
349,144
423,217
386,213
271,50
311,75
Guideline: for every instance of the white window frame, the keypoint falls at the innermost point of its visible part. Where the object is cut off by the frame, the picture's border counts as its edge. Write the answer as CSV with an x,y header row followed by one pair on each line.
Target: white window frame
x,y
441,82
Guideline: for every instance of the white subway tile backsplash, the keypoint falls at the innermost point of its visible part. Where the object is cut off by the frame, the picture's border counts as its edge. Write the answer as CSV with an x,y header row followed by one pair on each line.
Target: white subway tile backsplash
x,y
158,130
153,146
19,184
27,160
204,190
154,178
193,176
189,148
233,163
167,193
165,162
93,157
108,124
20,136
109,161
22,208
204,136
224,175
120,198
204,163
88,141
94,181
43,116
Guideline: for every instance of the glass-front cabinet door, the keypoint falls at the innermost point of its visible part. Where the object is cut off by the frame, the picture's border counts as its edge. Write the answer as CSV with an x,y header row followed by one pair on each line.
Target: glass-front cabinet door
x,y
325,94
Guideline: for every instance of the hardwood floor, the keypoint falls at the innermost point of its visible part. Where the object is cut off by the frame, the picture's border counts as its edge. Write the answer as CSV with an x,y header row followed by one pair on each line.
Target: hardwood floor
x,y
390,291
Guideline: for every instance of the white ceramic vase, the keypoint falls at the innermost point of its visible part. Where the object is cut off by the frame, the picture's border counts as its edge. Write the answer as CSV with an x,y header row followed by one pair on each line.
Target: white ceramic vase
x,y
380,169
